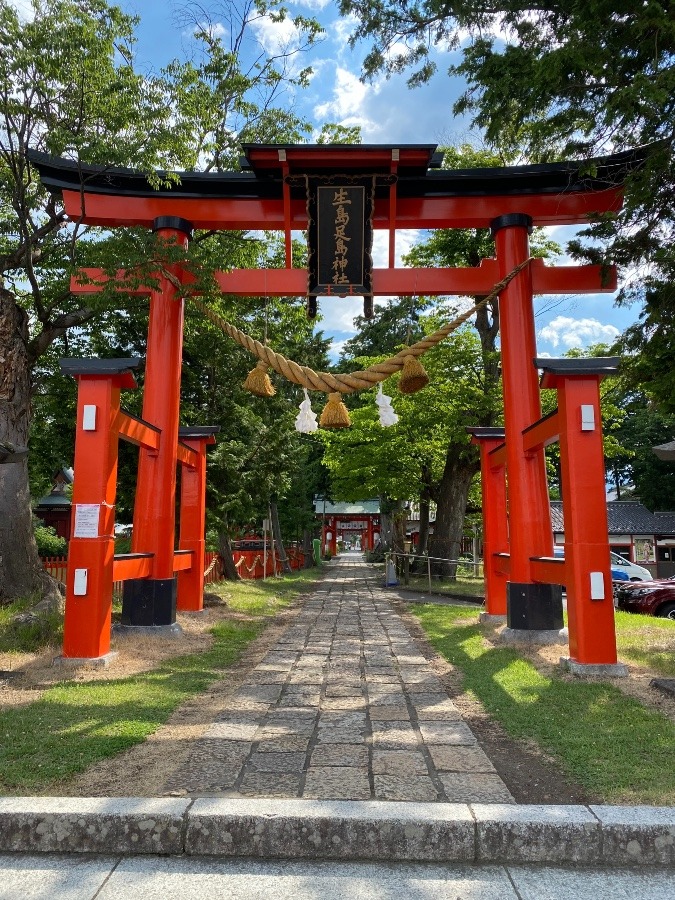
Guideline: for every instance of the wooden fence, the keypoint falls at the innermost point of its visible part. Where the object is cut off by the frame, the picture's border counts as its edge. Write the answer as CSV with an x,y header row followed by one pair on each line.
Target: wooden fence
x,y
57,566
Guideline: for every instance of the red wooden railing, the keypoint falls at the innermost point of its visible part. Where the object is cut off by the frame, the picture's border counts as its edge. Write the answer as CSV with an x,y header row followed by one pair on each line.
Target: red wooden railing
x,y
249,563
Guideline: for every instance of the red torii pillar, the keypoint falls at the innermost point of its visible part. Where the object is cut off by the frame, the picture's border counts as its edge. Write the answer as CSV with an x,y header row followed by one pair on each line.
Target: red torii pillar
x,y
588,578
368,542
495,522
193,517
530,606
152,601
91,551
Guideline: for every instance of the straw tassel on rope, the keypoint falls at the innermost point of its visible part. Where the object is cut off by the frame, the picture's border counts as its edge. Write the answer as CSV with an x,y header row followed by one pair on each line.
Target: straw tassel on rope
x,y
413,377
258,382
335,413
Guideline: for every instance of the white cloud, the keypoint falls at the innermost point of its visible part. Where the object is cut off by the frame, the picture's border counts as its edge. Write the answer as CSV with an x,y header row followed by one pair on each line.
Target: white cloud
x,y
341,30
335,350
405,239
395,50
24,8
313,4
215,29
567,332
276,37
348,100
338,313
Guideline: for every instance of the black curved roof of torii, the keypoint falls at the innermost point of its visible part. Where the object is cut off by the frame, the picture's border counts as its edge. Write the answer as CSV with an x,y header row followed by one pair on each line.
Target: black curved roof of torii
x,y
416,170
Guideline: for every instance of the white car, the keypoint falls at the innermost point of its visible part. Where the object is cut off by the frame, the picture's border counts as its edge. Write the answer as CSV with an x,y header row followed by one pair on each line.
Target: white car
x,y
634,572
622,569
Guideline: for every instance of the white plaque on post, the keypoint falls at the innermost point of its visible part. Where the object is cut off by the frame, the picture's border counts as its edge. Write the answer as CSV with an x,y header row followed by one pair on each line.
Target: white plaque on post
x,y
86,520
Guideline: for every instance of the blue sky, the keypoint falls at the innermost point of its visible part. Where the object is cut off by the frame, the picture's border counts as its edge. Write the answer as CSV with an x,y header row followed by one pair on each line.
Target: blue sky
x,y
387,112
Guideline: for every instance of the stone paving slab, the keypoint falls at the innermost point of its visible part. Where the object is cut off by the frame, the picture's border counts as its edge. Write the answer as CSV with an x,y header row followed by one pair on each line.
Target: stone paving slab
x,y
92,824
331,830
552,834
286,827
344,686
193,878
643,835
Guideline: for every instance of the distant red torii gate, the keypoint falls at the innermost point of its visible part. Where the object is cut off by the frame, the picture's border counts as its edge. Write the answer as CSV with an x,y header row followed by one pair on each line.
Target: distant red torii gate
x,y
412,192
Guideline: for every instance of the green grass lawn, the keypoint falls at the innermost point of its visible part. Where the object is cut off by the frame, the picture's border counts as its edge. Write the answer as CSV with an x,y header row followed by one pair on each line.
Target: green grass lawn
x,y
646,641
75,724
619,750
26,637
464,585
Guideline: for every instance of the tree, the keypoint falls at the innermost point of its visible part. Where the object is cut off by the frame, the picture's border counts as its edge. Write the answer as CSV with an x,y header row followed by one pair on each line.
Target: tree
x,y
68,87
427,456
64,74
555,80
652,479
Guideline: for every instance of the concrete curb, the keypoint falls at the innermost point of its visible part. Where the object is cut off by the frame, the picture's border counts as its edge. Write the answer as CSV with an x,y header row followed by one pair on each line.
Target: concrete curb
x,y
340,830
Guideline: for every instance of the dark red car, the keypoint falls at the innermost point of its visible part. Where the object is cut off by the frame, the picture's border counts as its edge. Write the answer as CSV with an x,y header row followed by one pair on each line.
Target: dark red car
x,y
651,598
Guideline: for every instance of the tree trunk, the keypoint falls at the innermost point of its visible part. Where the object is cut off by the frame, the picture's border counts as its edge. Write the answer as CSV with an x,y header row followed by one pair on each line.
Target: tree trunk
x,y
21,572
276,530
308,548
230,571
423,537
453,493
399,517
386,524
453,490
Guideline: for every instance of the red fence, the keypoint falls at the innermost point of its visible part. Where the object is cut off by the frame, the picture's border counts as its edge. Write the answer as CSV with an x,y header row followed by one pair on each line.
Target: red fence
x,y
57,566
249,564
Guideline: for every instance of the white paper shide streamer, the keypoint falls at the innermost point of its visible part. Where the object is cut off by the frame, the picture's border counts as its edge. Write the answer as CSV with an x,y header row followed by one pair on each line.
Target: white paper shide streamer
x,y
305,421
387,414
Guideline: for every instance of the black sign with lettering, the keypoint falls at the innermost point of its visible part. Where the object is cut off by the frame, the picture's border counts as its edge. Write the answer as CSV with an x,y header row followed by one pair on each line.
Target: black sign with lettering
x,y
340,237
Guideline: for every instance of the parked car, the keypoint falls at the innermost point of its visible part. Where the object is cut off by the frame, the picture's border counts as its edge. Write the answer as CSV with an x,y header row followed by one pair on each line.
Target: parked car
x,y
619,573
651,598
635,572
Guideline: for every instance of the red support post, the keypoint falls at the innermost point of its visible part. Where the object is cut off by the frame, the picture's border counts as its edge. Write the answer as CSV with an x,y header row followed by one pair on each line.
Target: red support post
x,y
530,531
89,581
495,524
153,601
368,543
193,519
590,606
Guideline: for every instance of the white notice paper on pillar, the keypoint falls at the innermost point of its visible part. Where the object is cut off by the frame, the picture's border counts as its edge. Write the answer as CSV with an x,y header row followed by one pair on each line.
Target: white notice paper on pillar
x,y
86,520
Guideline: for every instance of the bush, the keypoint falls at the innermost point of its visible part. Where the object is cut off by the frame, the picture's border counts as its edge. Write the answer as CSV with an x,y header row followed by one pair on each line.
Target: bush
x,y
48,541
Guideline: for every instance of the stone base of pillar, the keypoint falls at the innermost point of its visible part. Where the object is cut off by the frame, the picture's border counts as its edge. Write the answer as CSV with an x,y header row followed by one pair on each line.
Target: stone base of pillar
x,y
533,637
490,619
149,630
97,662
534,607
149,601
595,670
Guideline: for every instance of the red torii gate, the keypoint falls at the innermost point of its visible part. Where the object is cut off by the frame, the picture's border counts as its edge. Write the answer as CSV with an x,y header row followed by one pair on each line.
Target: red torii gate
x,y
411,192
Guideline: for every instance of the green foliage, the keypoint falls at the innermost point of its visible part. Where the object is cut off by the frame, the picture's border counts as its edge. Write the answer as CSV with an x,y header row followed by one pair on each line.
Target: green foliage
x,y
70,86
339,134
643,427
369,460
560,80
48,542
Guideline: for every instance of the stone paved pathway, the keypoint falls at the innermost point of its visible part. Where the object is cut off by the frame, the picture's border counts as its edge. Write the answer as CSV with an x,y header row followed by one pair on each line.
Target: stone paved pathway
x,y
344,707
